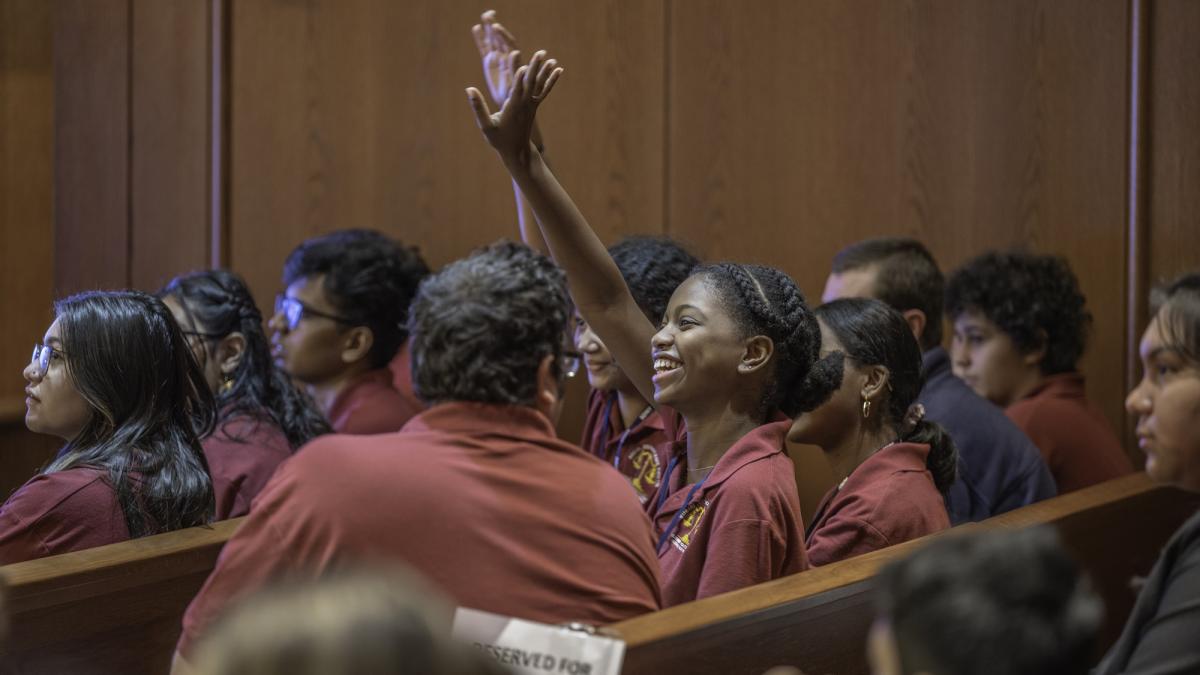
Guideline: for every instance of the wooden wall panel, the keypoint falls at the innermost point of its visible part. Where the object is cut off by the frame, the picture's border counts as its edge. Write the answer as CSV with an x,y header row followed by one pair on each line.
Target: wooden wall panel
x,y
91,144
169,153
352,114
1174,184
798,128
26,233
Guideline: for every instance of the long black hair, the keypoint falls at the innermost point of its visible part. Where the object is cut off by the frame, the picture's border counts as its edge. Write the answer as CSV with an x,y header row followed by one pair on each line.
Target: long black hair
x,y
149,404
874,334
217,303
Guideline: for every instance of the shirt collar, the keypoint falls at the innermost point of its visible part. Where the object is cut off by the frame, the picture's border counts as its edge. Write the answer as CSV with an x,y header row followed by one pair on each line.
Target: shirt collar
x,y
1061,385
372,379
487,418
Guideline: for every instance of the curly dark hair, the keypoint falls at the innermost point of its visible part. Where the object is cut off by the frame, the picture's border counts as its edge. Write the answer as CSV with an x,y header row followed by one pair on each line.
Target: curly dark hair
x,y
653,267
370,279
1034,299
991,603
481,326
1176,307
217,303
765,301
874,334
906,277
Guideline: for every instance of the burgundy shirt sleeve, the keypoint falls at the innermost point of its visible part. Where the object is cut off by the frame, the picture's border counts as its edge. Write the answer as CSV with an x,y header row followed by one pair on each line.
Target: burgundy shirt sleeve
x,y
60,512
844,536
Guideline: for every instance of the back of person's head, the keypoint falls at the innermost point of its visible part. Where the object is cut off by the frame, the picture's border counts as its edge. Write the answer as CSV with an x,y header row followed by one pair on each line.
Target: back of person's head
x,y
354,623
216,304
1176,308
766,301
368,277
1034,299
874,334
149,405
653,267
990,603
482,326
905,277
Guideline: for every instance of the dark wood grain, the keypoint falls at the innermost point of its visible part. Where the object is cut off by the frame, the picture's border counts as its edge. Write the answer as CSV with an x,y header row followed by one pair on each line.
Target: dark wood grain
x,y
91,144
798,128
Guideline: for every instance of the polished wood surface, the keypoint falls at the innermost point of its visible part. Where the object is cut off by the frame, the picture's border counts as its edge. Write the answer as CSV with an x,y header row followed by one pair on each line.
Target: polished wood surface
x,y
110,609
818,620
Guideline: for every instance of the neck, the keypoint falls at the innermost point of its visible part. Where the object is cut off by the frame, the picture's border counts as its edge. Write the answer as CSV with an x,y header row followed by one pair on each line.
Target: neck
x,y
630,405
1030,379
326,392
855,448
709,439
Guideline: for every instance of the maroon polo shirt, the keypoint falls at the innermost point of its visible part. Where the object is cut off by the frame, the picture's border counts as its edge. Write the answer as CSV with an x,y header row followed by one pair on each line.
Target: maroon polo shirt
x,y
401,366
1074,437
741,527
242,455
60,512
483,500
371,405
640,455
888,499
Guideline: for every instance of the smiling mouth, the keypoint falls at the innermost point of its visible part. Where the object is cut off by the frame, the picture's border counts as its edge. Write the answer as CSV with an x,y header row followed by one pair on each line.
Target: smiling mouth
x,y
663,366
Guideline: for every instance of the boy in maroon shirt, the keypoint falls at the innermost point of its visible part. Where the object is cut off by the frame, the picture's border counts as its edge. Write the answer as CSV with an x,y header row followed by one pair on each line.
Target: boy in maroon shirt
x,y
476,493
341,321
1020,327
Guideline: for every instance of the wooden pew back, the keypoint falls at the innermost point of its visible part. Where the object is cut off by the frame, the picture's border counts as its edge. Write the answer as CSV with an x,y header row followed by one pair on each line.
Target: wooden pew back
x,y
110,609
818,620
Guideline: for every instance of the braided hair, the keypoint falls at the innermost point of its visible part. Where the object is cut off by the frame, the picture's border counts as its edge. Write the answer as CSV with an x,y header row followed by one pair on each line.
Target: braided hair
x,y
217,303
765,301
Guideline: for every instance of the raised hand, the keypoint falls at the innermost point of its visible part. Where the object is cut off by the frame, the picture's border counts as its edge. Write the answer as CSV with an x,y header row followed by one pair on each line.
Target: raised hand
x,y
498,50
509,130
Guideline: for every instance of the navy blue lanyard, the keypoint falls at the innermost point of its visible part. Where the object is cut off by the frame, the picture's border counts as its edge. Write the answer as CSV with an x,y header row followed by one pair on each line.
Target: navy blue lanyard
x,y
608,423
662,497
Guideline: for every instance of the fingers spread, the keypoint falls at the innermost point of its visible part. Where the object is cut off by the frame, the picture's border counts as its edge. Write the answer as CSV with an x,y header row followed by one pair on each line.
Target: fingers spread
x,y
554,75
518,86
504,36
543,74
480,39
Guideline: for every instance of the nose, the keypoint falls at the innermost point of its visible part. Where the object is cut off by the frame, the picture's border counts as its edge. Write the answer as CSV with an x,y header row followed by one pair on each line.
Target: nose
x,y
1139,402
277,323
960,357
585,340
663,339
30,373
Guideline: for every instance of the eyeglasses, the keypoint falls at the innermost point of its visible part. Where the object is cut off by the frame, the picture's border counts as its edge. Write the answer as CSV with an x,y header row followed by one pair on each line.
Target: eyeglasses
x,y
571,362
293,311
41,357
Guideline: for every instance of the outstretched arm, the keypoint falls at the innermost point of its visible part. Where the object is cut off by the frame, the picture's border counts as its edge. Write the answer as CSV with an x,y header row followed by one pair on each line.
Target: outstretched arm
x,y
498,51
599,291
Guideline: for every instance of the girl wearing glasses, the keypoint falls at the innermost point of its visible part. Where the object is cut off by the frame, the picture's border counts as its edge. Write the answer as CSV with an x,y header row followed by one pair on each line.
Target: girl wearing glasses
x,y
737,346
114,378
262,417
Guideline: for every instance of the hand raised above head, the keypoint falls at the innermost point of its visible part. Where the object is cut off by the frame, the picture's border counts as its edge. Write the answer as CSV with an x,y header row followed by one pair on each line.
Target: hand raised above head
x,y
509,130
498,50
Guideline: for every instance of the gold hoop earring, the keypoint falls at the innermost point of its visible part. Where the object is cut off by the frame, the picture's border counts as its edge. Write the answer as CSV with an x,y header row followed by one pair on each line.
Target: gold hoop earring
x,y
866,408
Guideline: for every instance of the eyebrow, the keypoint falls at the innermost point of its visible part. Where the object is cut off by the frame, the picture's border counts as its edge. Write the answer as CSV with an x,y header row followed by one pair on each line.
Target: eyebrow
x,y
689,307
1164,349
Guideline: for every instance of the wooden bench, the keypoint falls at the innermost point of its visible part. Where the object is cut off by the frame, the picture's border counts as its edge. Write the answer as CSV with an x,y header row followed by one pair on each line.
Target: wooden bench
x,y
818,620
111,609
117,609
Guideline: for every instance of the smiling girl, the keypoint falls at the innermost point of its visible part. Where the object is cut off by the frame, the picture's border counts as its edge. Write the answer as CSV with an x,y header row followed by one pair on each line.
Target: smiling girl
x,y
734,356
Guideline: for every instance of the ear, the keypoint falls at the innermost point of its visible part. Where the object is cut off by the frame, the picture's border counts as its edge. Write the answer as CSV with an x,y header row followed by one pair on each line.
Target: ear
x,y
547,396
875,380
757,354
1033,357
230,352
916,323
356,344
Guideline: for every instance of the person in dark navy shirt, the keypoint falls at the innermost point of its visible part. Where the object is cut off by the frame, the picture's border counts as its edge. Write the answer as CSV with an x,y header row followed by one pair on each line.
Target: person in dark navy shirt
x,y
999,467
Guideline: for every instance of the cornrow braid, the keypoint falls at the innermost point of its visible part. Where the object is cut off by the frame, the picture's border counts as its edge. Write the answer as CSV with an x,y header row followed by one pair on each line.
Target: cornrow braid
x,y
766,301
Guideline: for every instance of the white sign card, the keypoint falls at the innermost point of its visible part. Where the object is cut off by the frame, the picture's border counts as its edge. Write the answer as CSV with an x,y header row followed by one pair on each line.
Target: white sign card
x,y
531,648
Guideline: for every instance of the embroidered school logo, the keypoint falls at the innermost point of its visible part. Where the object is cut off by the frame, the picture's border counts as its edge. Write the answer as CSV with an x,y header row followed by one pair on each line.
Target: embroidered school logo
x,y
647,472
688,524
